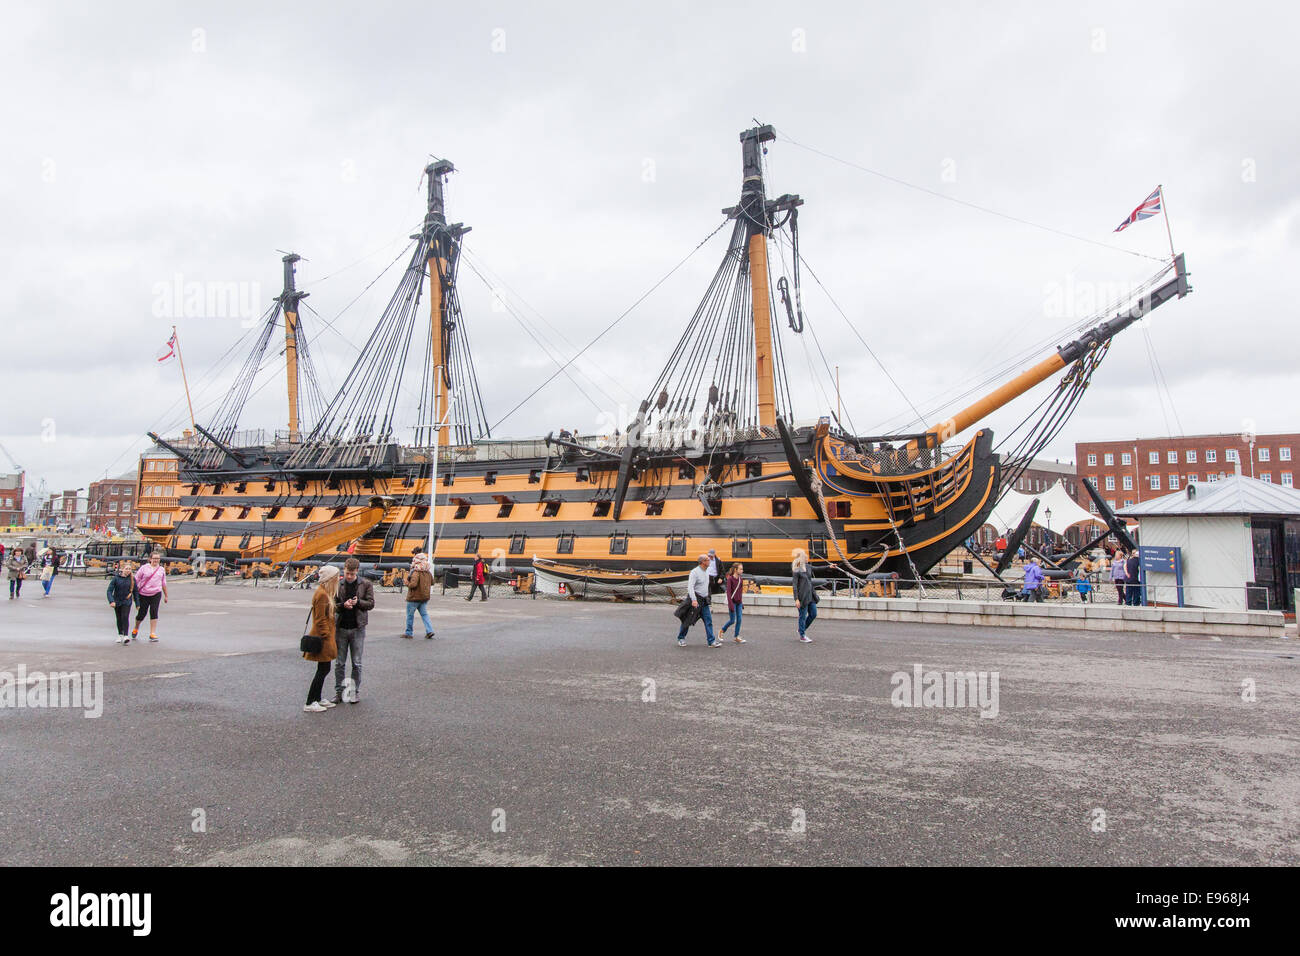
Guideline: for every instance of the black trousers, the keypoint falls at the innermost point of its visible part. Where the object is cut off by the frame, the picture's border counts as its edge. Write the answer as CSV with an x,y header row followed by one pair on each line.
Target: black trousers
x,y
471,592
317,682
123,614
148,604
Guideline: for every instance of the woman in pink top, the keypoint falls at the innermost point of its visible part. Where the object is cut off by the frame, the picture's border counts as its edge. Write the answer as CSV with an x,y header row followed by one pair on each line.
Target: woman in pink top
x,y
150,589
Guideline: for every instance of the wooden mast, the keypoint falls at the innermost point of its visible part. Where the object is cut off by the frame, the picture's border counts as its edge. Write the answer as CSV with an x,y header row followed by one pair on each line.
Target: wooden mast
x,y
753,209
289,299
435,223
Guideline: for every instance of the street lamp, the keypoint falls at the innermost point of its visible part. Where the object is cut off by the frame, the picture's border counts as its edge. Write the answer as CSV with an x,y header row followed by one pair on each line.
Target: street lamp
x,y
1048,514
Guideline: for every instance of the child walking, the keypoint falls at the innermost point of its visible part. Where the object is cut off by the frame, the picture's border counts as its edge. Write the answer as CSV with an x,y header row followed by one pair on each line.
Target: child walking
x,y
734,584
121,586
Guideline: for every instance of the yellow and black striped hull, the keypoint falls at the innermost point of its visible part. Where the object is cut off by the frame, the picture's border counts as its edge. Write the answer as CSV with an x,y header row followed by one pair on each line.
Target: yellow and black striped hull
x,y
515,509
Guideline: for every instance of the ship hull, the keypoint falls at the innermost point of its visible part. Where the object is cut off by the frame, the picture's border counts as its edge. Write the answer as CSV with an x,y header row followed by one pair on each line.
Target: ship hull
x,y
512,508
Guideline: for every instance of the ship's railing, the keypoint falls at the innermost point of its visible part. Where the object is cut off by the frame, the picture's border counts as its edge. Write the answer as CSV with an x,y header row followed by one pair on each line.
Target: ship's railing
x,y
683,441
480,451
901,459
244,438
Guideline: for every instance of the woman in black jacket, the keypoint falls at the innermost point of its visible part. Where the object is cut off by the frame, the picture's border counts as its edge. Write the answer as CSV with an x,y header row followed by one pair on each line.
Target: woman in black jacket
x,y
121,588
805,595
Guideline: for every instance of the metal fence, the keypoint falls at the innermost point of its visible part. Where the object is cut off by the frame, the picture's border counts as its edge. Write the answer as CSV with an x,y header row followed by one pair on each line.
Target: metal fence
x,y
1067,591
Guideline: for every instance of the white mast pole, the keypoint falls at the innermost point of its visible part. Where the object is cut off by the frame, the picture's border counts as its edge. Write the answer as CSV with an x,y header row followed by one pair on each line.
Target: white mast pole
x,y
433,467
1168,232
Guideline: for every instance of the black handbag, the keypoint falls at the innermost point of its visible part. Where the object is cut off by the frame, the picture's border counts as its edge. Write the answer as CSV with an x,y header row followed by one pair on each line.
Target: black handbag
x,y
310,643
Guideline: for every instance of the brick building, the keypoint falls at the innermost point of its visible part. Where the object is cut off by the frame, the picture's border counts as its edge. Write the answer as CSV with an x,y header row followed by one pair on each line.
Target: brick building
x,y
111,503
1130,471
68,507
11,500
1042,474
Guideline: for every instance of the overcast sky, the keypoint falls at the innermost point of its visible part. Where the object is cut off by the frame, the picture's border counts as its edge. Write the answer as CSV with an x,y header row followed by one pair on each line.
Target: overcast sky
x,y
146,144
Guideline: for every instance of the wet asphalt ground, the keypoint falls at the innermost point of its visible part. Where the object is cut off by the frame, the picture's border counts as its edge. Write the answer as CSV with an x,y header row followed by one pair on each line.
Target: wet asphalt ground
x,y
542,731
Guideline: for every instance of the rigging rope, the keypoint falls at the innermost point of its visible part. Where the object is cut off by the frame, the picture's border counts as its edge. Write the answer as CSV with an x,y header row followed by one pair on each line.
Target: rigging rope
x,y
611,325
966,203
546,350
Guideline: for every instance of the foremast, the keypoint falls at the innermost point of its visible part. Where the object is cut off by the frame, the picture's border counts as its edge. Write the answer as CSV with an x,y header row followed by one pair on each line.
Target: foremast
x,y
753,210
756,213
444,247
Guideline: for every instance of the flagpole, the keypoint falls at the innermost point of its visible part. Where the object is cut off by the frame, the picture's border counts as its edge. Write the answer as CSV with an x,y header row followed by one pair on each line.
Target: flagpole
x,y
181,358
1164,207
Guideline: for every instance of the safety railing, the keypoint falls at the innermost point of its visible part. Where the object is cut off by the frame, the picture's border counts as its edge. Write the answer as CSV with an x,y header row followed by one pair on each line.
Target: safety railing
x,y
1066,590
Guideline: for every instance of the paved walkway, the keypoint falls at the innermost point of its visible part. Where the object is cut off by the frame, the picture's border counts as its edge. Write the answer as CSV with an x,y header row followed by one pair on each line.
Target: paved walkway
x,y
528,732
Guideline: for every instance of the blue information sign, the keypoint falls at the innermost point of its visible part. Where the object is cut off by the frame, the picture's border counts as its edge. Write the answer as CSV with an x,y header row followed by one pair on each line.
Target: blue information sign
x,y
1160,560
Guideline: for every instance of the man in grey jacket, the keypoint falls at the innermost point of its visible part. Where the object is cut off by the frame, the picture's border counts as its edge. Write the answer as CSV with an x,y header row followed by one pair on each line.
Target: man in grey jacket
x,y
356,598
698,588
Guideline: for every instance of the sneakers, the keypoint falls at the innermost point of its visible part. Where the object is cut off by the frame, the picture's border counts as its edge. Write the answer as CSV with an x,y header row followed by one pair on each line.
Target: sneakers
x,y
135,630
715,643
153,639
316,708
126,640
429,636
408,636
327,704
681,642
119,640
740,640
805,639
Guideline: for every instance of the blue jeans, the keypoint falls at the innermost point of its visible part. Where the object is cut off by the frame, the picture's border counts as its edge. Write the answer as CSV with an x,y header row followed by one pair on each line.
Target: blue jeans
x,y
807,614
734,618
706,616
423,608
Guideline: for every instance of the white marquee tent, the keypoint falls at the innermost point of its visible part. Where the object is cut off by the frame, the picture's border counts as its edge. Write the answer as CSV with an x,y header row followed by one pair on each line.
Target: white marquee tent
x,y
1065,510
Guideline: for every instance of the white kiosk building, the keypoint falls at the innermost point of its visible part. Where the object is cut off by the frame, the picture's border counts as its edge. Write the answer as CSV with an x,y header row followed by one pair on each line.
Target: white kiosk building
x,y
1238,541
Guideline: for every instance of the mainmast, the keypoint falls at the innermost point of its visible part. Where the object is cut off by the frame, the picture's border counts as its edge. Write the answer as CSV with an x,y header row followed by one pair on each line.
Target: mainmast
x,y
289,299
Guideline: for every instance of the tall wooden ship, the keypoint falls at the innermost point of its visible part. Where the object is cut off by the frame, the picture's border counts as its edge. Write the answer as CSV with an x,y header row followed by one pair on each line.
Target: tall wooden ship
x,y
712,460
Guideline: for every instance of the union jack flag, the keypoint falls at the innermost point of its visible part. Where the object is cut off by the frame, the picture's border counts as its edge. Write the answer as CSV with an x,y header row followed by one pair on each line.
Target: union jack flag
x,y
1150,206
